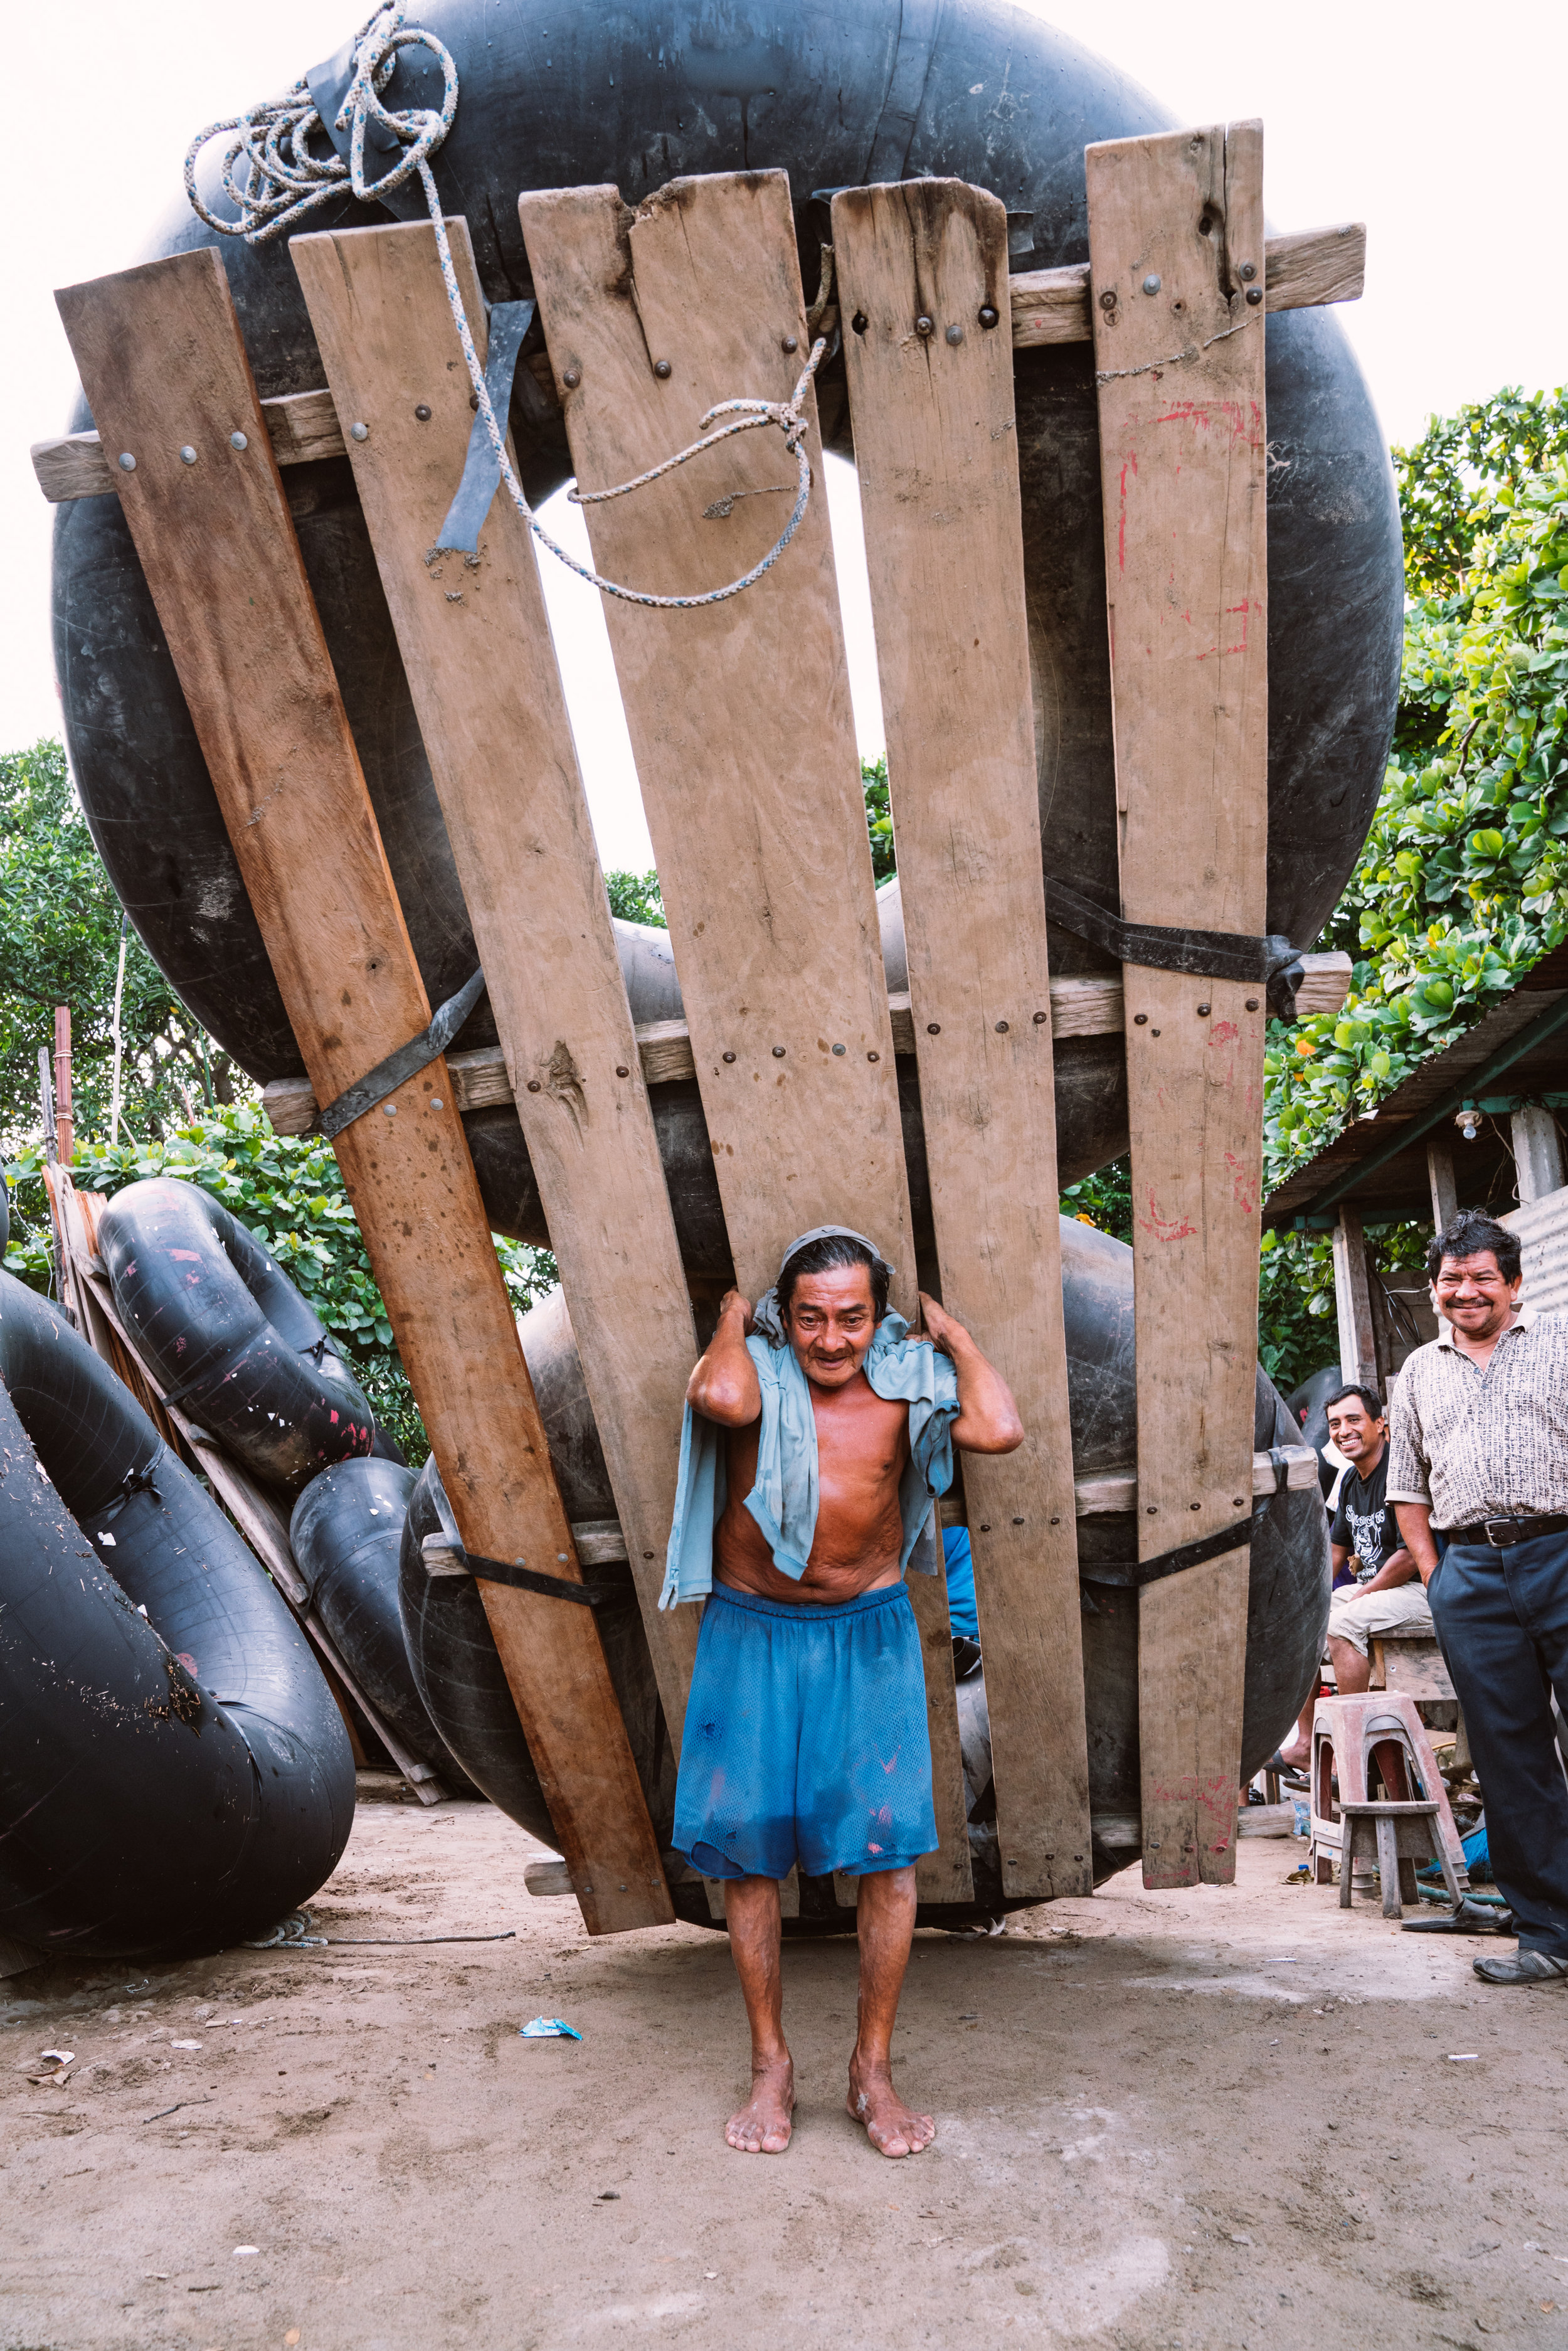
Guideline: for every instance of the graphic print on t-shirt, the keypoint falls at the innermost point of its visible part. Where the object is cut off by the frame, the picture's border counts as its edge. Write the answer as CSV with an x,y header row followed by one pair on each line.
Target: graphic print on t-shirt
x,y
1362,1522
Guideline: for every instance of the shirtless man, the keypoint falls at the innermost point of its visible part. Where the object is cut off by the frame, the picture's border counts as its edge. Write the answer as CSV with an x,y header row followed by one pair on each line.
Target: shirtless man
x,y
805,1735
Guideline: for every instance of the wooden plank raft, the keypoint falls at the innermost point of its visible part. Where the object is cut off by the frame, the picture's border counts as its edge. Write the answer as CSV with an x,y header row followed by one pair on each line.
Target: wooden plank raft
x,y
164,369
923,269
475,644
1175,244
740,724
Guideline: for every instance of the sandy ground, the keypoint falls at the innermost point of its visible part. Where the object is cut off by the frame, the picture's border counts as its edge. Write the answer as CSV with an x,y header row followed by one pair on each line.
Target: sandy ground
x,y
1228,2117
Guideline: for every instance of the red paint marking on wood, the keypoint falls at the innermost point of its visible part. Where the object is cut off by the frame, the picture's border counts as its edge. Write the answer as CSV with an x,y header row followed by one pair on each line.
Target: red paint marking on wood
x,y
1166,1228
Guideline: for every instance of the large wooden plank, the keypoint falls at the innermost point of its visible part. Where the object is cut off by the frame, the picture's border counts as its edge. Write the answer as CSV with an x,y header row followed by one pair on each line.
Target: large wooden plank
x,y
163,368
475,644
931,399
1176,242
739,713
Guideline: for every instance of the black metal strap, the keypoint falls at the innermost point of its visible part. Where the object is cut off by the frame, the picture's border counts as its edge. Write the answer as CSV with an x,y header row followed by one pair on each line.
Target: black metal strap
x,y
1272,962
1137,1573
528,1578
405,1063
509,322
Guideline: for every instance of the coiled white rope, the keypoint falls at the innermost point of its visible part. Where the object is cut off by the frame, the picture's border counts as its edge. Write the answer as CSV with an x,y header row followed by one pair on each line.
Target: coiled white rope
x,y
280,182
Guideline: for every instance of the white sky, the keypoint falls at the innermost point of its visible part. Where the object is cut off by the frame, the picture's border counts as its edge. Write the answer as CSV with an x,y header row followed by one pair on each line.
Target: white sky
x,y
1445,136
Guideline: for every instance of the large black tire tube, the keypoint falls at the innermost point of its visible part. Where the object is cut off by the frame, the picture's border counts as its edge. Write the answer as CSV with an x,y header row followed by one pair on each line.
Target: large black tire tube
x,y
836,96
225,1328
346,1534
172,1780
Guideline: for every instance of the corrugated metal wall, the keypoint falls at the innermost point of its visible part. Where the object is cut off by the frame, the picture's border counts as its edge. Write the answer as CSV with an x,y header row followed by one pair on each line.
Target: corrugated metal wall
x,y
1542,1230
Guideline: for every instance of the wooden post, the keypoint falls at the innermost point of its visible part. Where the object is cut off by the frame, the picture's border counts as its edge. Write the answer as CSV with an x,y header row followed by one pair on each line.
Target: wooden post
x,y
65,1124
1537,1154
741,728
165,369
1175,242
1441,1176
933,434
475,644
1353,1298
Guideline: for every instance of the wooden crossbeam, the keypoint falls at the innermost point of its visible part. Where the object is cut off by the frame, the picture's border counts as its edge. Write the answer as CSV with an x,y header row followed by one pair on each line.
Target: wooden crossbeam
x,y
1176,242
931,402
164,368
1048,305
475,644
741,728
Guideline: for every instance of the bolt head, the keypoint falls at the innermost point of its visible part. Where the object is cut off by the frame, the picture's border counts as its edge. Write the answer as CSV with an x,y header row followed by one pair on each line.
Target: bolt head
x,y
729,1057
791,343
622,1071
662,370
954,334
127,462
1152,282
422,412
1140,1019
359,432
187,455
874,1057
1252,1004
778,1052
933,1027
1040,1019
1108,299
987,315
841,1048
1248,272
925,326
238,440
1001,1028
534,1086
859,322
1204,1010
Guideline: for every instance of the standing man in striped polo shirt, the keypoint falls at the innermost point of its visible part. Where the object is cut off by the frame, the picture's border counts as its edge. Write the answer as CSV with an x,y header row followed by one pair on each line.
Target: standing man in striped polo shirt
x,y
1479,1449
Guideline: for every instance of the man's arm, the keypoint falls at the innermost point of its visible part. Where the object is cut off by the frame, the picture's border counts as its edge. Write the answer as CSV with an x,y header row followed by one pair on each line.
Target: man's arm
x,y
1416,1525
725,1387
1397,1567
987,1419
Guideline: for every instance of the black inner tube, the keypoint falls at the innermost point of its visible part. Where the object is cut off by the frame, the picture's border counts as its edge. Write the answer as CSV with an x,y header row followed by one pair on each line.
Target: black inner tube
x,y
229,1336
172,1781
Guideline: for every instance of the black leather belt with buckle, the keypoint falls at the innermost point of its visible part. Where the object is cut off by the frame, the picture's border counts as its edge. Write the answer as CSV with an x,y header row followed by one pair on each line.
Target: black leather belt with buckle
x,y
1502,1532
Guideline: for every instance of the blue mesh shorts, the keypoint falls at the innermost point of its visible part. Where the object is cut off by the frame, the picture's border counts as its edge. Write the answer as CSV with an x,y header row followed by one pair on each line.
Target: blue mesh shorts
x,y
805,1739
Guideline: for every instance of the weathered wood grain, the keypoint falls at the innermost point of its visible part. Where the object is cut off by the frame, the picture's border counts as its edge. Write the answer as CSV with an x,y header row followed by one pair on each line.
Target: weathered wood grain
x,y
163,367
739,713
477,648
1176,241
937,457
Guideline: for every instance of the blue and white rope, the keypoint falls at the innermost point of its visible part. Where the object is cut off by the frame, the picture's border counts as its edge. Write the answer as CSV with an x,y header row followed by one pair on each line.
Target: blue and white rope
x,y
281,181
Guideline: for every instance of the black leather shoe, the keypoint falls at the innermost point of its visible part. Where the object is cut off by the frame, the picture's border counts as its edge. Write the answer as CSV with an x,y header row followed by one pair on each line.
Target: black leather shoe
x,y
1469,1918
1522,1968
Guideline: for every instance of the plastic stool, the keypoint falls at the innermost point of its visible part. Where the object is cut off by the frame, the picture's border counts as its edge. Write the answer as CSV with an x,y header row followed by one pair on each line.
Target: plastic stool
x,y
1400,1827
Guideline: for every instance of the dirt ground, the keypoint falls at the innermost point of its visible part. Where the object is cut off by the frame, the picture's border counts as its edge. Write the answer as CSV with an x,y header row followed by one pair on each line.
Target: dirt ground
x,y
1228,2117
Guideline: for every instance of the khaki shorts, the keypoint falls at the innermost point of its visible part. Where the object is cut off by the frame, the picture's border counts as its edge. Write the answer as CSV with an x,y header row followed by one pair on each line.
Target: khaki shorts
x,y
1403,1608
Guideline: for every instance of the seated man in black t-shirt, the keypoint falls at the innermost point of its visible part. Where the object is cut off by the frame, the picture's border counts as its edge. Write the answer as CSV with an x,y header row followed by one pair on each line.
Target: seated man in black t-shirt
x,y
1387,1593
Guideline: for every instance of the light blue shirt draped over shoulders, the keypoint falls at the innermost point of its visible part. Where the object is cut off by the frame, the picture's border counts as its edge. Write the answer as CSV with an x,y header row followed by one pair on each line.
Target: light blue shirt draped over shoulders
x,y
783,1501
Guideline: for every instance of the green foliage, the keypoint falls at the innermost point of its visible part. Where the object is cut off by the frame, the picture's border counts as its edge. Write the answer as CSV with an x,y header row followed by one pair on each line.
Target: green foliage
x,y
634,897
1103,1200
59,944
878,820
286,1190
1463,883
1448,478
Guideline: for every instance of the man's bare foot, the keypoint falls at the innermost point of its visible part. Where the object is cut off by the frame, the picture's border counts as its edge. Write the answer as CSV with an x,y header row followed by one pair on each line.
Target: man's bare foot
x,y
891,2128
764,2126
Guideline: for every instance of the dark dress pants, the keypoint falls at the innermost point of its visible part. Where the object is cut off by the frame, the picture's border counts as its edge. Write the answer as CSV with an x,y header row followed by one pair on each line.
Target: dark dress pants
x,y
1503,1619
